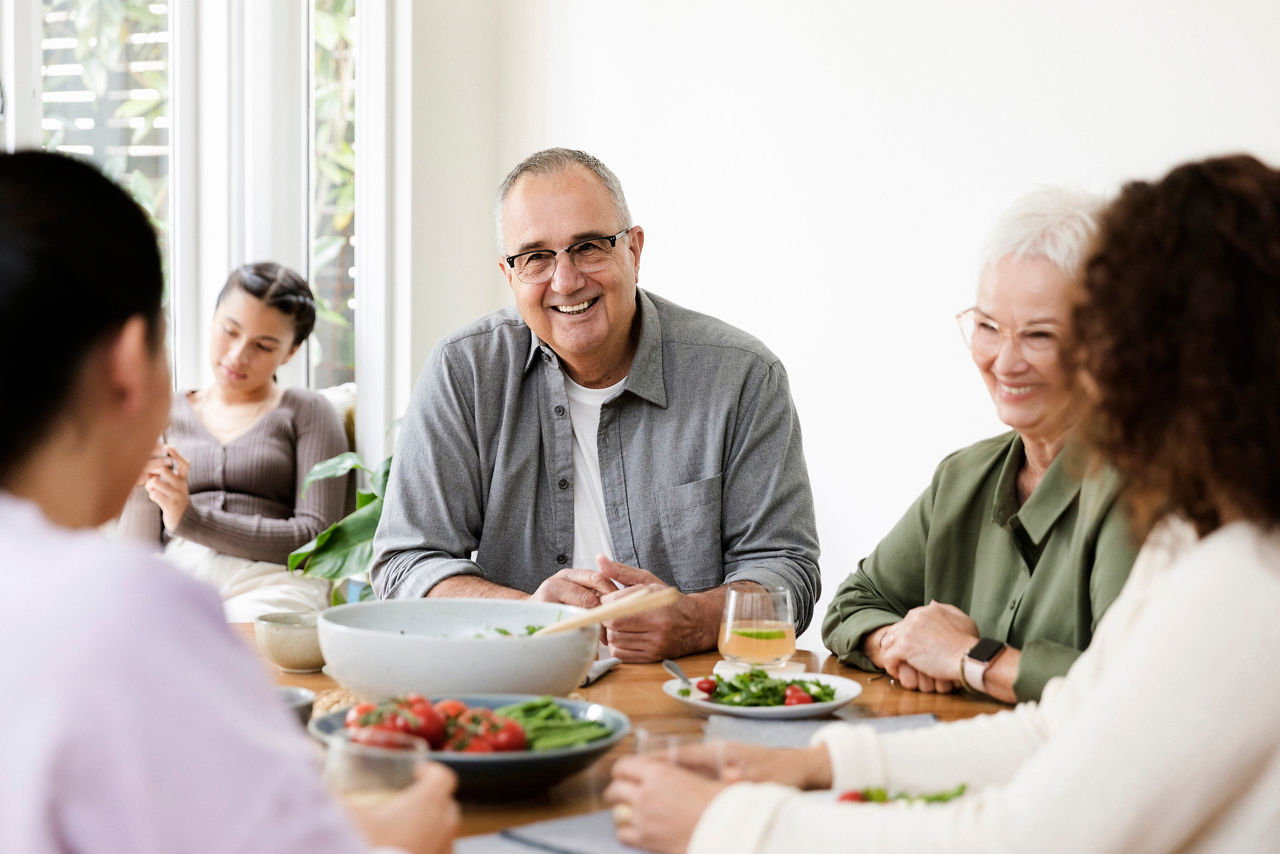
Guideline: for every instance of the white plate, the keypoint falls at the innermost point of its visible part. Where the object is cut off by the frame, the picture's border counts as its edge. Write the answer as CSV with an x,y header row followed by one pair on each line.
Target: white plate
x,y
846,690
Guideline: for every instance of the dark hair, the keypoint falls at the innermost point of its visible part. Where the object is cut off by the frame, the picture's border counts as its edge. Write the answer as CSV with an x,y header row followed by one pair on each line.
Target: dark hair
x,y
1179,329
280,288
78,258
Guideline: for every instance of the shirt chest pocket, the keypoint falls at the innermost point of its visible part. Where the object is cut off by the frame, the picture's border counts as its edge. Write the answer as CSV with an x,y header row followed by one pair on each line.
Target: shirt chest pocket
x,y
690,518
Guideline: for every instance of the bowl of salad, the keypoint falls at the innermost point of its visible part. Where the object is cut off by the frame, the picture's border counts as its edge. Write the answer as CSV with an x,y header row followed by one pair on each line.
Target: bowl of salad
x,y
499,745
439,647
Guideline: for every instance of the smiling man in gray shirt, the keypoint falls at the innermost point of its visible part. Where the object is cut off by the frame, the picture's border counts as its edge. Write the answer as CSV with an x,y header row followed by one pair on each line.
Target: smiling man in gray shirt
x,y
555,448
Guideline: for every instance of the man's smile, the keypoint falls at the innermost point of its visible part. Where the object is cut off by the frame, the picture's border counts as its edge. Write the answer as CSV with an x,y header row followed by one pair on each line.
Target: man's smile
x,y
577,308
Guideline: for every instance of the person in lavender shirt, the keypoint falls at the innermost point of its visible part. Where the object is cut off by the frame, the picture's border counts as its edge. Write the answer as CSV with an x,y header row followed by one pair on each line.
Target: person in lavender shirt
x,y
133,720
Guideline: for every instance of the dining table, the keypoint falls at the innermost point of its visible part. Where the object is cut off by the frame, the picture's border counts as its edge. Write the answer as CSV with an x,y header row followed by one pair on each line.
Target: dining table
x,y
636,690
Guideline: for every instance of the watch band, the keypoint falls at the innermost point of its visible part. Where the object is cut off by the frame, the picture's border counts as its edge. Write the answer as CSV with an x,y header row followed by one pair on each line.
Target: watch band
x,y
974,666
974,672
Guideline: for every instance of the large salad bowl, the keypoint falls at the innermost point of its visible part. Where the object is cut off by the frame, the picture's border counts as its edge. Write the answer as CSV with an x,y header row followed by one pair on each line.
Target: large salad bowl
x,y
438,647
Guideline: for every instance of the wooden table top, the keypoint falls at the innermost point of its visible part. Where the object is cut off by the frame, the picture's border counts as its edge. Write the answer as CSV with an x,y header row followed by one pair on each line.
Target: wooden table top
x,y
635,690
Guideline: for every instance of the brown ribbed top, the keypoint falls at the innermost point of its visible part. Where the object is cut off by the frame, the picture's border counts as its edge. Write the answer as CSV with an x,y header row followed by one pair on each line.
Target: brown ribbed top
x,y
244,493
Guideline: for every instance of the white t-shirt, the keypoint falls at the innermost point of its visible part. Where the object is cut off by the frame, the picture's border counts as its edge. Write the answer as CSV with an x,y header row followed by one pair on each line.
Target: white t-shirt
x,y
590,523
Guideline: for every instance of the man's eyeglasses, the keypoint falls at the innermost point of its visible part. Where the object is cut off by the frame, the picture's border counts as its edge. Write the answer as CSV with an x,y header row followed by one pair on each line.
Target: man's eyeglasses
x,y
1038,343
589,256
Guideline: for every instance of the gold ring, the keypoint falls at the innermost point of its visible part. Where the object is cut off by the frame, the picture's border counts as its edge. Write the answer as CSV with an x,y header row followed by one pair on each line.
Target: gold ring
x,y
622,814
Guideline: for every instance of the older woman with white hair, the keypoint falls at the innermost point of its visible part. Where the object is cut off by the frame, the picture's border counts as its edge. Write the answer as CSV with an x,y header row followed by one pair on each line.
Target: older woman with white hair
x,y
997,576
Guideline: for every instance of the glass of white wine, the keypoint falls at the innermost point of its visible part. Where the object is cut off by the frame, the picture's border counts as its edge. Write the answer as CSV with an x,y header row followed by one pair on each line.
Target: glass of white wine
x,y
759,627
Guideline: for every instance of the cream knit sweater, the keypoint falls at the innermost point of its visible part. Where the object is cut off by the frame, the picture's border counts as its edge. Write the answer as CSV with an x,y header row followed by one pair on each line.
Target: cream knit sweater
x,y
1164,736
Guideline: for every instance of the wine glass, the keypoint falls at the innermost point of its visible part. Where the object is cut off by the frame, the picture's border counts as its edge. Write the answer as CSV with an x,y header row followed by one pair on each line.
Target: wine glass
x,y
759,628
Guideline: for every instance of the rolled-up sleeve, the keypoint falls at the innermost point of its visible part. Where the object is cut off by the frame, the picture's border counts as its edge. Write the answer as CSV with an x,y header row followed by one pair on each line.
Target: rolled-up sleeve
x,y
432,513
888,583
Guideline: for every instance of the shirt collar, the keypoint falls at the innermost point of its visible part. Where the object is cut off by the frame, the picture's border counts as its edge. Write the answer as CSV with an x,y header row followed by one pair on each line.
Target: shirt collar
x,y
1057,490
645,380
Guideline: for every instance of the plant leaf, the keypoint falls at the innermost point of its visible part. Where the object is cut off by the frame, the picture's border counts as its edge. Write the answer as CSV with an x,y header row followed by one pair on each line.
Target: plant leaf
x,y
344,549
333,467
378,480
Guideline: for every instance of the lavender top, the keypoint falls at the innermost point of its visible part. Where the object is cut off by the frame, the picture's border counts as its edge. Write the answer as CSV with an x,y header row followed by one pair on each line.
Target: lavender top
x,y
134,720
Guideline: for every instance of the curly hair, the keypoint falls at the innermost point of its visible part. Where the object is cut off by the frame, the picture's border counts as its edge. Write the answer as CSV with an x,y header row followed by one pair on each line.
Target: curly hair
x,y
1179,331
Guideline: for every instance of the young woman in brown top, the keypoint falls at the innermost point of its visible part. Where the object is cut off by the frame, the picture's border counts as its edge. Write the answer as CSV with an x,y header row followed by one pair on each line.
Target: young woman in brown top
x,y
224,493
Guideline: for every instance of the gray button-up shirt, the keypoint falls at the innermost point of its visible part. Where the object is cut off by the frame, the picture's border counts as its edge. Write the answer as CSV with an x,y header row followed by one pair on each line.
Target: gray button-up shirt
x,y
700,458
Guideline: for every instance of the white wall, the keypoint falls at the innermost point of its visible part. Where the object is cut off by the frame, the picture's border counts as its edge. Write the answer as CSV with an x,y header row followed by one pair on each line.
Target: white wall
x,y
822,174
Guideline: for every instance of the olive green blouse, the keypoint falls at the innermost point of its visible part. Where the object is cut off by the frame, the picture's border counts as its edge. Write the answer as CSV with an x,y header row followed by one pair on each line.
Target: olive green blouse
x,y
1038,577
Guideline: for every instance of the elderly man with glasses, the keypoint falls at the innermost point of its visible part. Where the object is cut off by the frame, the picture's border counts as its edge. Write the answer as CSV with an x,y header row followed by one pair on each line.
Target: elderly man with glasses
x,y
597,437
997,576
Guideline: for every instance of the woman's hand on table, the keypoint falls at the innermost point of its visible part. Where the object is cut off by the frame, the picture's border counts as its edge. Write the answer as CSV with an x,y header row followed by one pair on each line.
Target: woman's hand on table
x,y
657,804
923,649
422,819
166,484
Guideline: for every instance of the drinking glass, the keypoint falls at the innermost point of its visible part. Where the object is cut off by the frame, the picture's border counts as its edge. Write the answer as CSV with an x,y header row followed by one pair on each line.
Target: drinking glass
x,y
759,628
667,747
363,774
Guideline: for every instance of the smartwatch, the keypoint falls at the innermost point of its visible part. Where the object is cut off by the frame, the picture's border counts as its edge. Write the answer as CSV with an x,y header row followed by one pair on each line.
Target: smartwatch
x,y
973,667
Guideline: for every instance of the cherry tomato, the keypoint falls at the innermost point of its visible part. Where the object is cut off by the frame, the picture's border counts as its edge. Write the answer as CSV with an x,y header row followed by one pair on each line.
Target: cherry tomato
x,y
358,711
852,796
450,708
464,741
430,724
508,736
478,719
376,736
798,699
706,686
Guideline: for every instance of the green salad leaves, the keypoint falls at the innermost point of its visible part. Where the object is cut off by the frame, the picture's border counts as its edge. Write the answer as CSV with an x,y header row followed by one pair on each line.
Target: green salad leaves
x,y
758,688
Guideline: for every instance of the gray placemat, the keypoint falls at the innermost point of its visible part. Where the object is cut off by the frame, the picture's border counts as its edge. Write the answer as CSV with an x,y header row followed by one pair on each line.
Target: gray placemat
x,y
591,833
490,843
798,733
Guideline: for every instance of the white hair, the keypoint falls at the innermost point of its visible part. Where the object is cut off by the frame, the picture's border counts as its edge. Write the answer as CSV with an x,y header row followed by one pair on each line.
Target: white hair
x,y
1057,224
554,160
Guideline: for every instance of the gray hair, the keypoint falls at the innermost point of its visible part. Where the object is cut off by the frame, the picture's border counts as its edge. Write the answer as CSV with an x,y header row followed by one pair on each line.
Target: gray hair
x,y
1057,224
552,160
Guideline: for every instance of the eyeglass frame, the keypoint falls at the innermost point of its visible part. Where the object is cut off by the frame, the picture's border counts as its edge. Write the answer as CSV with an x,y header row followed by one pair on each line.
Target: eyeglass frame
x,y
555,253
1011,334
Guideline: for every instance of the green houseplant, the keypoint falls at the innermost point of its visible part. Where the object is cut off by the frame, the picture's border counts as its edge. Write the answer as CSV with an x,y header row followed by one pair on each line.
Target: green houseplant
x,y
344,550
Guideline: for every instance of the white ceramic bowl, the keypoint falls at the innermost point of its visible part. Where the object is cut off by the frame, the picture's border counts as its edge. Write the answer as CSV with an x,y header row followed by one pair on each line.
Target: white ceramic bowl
x,y
289,639
440,647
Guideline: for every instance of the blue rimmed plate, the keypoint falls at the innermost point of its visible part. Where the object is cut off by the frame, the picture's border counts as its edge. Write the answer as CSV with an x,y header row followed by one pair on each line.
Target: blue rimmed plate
x,y
518,773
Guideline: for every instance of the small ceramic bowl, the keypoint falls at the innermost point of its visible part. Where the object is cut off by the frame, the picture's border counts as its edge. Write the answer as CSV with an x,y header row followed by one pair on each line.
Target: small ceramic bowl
x,y
290,641
299,701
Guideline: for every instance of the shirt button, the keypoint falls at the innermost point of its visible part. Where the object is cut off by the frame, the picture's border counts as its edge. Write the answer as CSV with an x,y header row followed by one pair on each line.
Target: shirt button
x,y
1013,604
564,484
546,358
559,410
562,559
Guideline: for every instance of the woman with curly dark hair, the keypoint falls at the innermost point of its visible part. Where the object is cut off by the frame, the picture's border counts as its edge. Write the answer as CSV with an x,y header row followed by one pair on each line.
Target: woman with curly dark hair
x,y
1163,735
